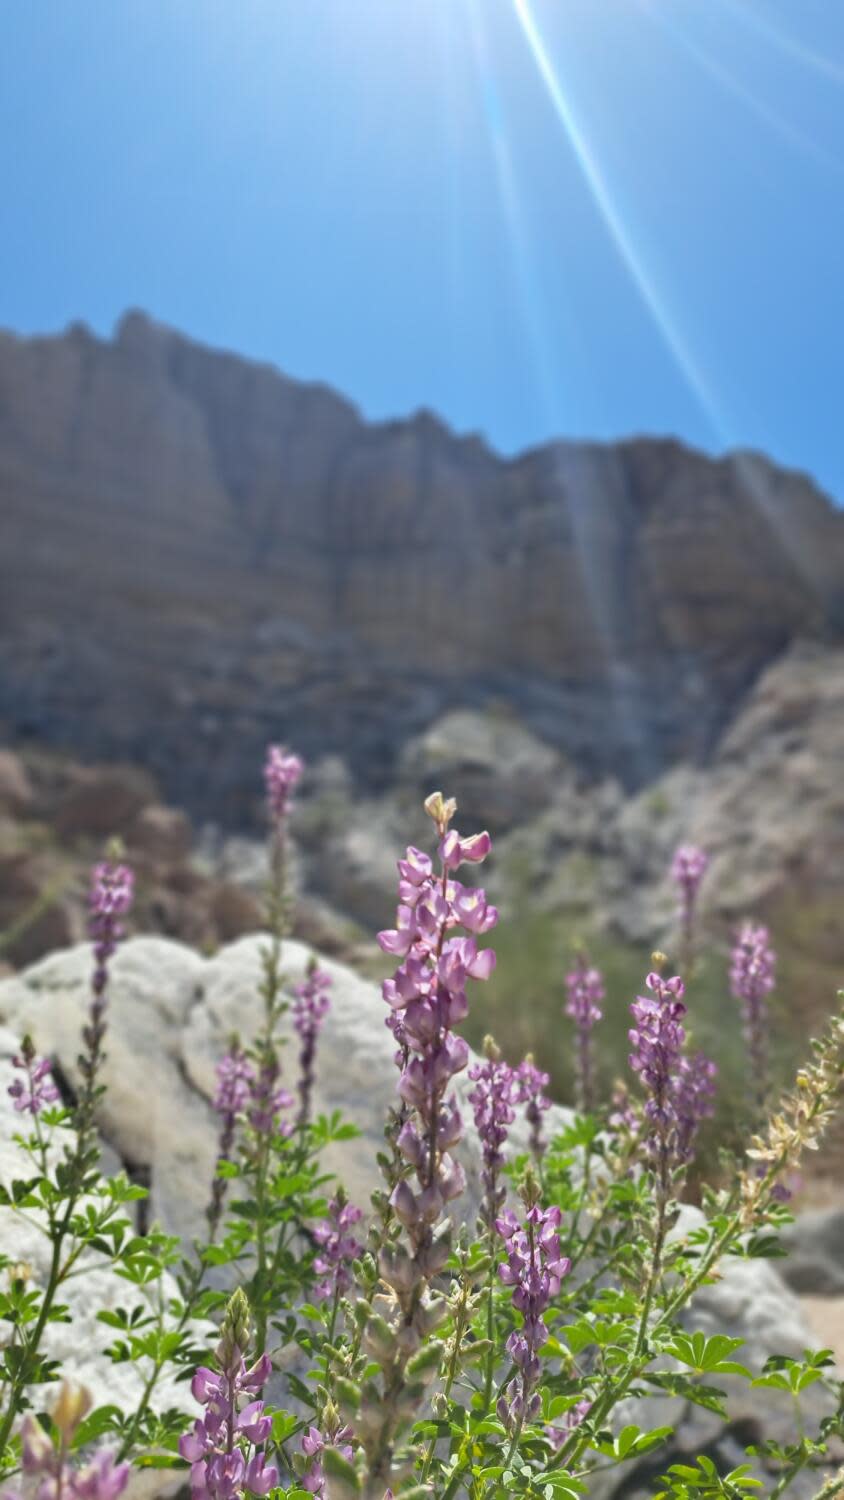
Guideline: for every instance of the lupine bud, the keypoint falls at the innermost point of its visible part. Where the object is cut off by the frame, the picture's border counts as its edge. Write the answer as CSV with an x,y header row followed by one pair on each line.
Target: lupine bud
x,y
72,1403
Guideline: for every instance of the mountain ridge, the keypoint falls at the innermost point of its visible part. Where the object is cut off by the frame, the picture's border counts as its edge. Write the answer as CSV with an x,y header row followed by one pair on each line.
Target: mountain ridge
x,y
201,543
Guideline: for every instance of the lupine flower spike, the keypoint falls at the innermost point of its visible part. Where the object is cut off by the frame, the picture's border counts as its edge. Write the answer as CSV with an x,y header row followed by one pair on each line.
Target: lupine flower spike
x,y
31,1093
338,1247
752,977
679,1089
492,1100
585,989
688,868
317,1444
429,990
531,1085
310,1008
282,773
427,999
112,892
235,1075
534,1268
226,1447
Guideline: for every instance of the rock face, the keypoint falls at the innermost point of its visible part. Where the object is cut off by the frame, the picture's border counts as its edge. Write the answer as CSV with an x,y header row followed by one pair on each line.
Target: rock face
x,y
196,543
171,1015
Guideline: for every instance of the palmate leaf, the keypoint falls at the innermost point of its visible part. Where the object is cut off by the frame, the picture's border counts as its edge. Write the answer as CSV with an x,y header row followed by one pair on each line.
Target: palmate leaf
x,y
707,1356
631,1442
674,1383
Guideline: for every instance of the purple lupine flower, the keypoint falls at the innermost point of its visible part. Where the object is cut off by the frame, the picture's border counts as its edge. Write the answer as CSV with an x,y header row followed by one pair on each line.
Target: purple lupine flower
x,y
623,1115
534,1268
235,1079
532,1083
585,989
267,1099
492,1100
338,1248
225,1447
282,773
310,1007
101,1478
314,1444
558,1435
429,990
657,1041
688,868
693,1090
752,977
111,895
38,1088
112,892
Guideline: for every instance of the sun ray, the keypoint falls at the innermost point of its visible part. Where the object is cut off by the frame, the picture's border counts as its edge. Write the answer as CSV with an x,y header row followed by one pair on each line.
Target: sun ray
x,y
704,59
643,279
797,51
524,273
602,196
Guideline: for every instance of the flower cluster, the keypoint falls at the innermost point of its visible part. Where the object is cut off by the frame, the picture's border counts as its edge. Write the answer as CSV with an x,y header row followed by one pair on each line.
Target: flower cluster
x,y
310,1007
267,1099
585,990
532,1083
250,1090
657,1041
693,1092
557,1435
234,1081
752,977
492,1099
282,773
314,1445
30,1094
429,990
111,895
688,868
234,1078
534,1268
338,1248
225,1447
680,1089
101,1478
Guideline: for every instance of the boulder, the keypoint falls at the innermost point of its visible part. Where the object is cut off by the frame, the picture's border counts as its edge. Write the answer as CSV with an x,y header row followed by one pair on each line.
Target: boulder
x,y
815,1243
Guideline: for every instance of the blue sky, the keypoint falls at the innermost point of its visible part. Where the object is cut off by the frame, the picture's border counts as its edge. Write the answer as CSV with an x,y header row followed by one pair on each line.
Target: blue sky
x,y
538,217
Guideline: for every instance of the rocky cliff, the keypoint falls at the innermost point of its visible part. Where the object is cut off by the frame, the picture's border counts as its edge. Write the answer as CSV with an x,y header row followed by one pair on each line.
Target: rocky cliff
x,y
198,553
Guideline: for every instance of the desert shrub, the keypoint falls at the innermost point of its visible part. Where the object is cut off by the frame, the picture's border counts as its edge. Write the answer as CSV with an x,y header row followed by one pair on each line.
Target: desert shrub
x,y
413,1354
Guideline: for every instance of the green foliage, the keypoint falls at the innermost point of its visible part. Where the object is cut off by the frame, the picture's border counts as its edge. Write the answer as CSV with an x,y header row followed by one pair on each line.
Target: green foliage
x,y
444,1362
